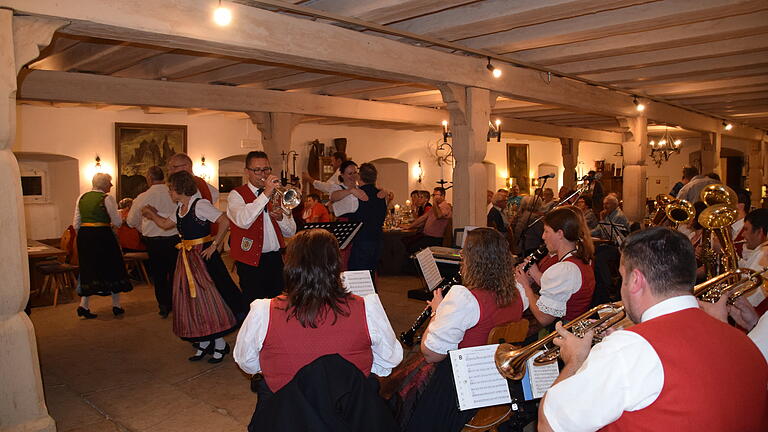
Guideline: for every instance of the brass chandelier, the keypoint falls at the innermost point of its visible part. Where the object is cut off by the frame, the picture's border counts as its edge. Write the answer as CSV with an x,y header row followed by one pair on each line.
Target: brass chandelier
x,y
665,146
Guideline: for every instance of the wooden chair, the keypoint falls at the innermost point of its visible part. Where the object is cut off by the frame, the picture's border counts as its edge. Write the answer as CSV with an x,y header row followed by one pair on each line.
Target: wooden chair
x,y
489,418
136,260
58,275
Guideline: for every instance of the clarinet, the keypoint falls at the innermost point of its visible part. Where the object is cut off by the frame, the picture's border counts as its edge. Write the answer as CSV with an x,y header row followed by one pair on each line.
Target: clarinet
x,y
535,257
407,337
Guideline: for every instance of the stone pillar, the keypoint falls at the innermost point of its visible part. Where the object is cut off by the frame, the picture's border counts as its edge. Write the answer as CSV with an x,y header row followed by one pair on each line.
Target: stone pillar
x,y
276,132
469,110
22,405
635,148
711,143
755,174
570,147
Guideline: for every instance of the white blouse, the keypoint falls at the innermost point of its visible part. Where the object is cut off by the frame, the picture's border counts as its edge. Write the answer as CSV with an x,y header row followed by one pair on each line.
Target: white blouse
x,y
348,204
558,283
204,210
387,351
458,312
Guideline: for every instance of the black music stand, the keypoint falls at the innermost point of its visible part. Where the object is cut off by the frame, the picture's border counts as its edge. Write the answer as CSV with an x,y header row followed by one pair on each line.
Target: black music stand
x,y
343,231
616,232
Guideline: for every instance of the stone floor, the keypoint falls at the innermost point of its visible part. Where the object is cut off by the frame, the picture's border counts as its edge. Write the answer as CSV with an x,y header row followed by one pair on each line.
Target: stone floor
x,y
131,373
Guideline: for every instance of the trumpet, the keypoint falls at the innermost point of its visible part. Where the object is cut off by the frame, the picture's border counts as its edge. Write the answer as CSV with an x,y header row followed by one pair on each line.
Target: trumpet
x,y
735,283
511,361
286,198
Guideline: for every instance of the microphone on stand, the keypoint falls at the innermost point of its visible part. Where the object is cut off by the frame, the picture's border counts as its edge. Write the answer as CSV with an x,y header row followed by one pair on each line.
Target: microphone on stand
x,y
547,176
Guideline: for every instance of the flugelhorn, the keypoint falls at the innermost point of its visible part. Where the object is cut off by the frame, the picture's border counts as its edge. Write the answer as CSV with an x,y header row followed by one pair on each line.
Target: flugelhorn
x,y
735,283
511,360
286,199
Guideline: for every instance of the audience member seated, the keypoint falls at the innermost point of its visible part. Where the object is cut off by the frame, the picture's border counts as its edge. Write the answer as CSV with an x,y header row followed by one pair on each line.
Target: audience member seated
x,y
314,210
584,203
129,238
434,222
496,217
314,317
613,224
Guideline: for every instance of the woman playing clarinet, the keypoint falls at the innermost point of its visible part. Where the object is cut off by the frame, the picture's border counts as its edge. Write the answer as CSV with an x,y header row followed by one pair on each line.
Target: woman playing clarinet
x,y
567,281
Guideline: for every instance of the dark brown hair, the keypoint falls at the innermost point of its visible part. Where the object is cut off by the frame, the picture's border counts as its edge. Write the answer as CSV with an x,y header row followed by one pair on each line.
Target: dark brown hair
x,y
182,183
368,173
664,256
256,154
312,275
571,221
487,264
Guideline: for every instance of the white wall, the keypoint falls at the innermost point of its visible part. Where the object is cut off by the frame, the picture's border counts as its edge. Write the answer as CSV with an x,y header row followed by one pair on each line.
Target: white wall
x,y
49,218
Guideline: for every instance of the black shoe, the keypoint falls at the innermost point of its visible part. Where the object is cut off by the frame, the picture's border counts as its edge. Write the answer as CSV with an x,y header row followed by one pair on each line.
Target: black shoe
x,y
223,353
117,311
164,311
204,351
85,313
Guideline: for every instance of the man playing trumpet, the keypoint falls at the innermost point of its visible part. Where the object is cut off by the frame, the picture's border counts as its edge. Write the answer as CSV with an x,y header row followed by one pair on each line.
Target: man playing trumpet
x,y
676,369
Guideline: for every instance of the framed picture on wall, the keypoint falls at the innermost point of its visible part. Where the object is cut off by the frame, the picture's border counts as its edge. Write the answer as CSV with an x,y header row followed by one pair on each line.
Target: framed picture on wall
x,y
139,146
517,166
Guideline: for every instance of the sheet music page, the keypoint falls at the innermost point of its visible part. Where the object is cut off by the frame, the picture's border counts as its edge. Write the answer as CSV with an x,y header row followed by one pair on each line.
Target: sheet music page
x,y
358,282
538,379
478,382
429,268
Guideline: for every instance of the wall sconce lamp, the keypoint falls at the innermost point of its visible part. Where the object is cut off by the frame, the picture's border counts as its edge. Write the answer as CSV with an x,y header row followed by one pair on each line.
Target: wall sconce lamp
x,y
446,133
418,172
203,171
639,106
496,72
222,16
97,166
727,126
494,130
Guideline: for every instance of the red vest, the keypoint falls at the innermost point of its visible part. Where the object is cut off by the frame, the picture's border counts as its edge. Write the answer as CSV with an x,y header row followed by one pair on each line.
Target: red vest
x,y
715,378
205,192
288,346
490,316
246,244
581,299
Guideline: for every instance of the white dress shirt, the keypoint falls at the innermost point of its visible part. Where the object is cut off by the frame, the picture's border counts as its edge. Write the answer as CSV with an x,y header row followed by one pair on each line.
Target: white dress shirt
x,y
621,373
387,351
328,186
348,204
558,283
214,194
157,196
109,203
755,260
458,312
244,215
736,227
759,335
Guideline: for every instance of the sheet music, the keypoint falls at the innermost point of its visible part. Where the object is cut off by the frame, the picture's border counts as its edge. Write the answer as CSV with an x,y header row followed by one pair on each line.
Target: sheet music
x,y
538,379
478,382
429,268
358,282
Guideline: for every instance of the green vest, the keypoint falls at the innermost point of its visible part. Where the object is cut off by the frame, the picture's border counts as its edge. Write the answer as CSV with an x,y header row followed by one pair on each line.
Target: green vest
x,y
92,209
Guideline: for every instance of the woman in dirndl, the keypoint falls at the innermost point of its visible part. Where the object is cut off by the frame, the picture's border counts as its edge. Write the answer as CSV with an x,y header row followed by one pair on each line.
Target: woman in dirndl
x,y
205,299
102,271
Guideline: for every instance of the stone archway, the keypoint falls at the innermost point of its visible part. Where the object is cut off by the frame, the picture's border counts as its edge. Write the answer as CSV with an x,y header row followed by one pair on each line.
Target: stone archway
x,y
393,176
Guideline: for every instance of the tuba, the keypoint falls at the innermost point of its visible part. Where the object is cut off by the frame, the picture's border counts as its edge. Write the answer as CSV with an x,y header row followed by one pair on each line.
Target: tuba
x,y
661,202
511,360
717,219
679,212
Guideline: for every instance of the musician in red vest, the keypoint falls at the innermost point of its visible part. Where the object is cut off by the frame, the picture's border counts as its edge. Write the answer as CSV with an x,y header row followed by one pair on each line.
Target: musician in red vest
x,y
258,230
567,277
677,369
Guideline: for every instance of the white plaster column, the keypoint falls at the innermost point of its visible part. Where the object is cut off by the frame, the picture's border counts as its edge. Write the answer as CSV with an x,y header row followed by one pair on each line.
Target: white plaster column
x,y
276,131
570,147
22,405
755,174
711,143
469,110
635,148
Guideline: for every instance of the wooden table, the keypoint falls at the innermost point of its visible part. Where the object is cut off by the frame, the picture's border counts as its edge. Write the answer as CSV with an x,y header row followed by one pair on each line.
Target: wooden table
x,y
37,250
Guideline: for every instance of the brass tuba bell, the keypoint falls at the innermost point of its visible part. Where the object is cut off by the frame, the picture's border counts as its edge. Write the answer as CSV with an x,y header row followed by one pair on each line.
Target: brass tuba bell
x,y
718,194
718,219
679,212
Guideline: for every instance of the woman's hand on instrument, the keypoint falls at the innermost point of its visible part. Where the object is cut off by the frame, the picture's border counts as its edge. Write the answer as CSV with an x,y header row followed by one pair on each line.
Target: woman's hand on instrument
x,y
573,349
208,252
437,298
521,276
743,313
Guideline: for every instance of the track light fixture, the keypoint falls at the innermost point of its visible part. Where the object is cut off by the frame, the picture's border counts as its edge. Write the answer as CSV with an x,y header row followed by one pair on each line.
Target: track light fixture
x,y
638,105
727,126
222,16
496,72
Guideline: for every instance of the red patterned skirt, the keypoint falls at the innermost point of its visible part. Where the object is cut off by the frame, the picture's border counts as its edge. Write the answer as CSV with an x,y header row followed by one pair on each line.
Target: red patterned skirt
x,y
205,316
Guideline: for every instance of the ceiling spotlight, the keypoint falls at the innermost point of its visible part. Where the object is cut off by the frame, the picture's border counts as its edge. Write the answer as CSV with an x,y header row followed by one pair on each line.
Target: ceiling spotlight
x,y
638,105
727,126
222,16
496,72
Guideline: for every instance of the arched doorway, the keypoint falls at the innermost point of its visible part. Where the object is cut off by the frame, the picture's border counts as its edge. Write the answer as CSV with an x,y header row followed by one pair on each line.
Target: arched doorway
x,y
393,176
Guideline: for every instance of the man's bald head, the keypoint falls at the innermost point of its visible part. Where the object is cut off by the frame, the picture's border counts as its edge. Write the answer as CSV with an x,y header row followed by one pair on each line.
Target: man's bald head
x,y
179,162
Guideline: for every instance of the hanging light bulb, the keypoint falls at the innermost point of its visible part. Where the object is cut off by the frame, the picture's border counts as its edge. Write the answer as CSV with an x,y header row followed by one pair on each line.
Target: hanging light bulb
x,y
222,16
496,72
638,105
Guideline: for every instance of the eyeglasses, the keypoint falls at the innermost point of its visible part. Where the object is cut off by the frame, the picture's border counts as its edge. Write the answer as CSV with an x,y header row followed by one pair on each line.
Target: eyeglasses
x,y
259,170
